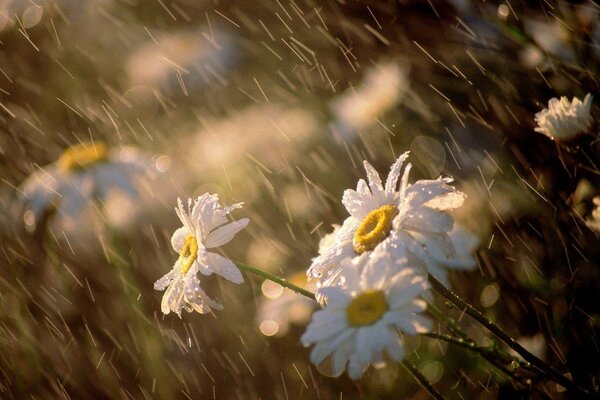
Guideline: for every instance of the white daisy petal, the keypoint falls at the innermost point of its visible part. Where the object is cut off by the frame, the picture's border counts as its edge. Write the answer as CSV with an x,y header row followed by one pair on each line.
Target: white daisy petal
x,y
373,178
178,238
391,182
166,280
224,267
225,233
395,348
426,219
340,357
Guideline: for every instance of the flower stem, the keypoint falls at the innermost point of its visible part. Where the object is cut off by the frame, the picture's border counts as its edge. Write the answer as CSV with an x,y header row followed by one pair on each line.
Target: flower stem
x,y
490,354
274,278
512,343
419,377
449,323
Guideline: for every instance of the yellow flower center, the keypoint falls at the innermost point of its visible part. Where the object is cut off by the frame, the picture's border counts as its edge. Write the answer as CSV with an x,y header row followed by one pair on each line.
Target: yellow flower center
x,y
82,155
189,253
366,308
374,228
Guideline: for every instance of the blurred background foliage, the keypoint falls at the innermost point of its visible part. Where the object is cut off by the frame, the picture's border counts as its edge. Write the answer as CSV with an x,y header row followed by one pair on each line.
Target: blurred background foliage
x,y
276,104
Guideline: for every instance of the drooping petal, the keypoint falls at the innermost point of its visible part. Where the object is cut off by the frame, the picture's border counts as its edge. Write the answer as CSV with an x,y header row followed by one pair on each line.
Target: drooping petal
x,y
224,267
324,348
434,194
225,233
166,280
197,298
425,219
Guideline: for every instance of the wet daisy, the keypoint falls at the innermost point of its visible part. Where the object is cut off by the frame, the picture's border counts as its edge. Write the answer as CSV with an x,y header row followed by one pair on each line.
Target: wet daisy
x,y
564,119
363,321
205,226
406,220
83,172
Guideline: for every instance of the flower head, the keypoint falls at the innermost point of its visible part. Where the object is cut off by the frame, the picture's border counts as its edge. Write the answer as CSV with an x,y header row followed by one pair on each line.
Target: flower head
x,y
205,226
406,221
85,171
564,119
361,320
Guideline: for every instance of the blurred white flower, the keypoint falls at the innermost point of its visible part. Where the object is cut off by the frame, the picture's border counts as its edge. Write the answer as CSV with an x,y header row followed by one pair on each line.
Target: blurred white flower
x,y
85,171
282,307
361,322
382,88
204,227
553,37
564,119
183,61
270,133
594,222
410,221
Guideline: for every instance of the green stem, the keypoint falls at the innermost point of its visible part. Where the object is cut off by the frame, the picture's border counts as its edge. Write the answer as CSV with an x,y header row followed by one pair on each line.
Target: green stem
x,y
419,377
448,322
274,278
512,343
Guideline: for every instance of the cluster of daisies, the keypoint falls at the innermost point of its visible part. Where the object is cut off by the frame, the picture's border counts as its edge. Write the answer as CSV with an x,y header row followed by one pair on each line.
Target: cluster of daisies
x,y
372,272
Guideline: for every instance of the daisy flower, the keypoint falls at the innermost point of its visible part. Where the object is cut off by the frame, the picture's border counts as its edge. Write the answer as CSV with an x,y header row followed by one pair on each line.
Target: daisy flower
x,y
406,221
204,227
564,119
362,322
84,171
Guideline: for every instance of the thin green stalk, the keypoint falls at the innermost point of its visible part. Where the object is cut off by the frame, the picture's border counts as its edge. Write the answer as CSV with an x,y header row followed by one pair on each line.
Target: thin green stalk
x,y
419,377
512,343
448,322
489,353
274,278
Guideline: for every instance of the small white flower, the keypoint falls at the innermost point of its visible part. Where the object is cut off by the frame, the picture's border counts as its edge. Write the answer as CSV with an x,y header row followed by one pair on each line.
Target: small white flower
x,y
564,119
204,227
86,171
183,61
410,221
361,320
